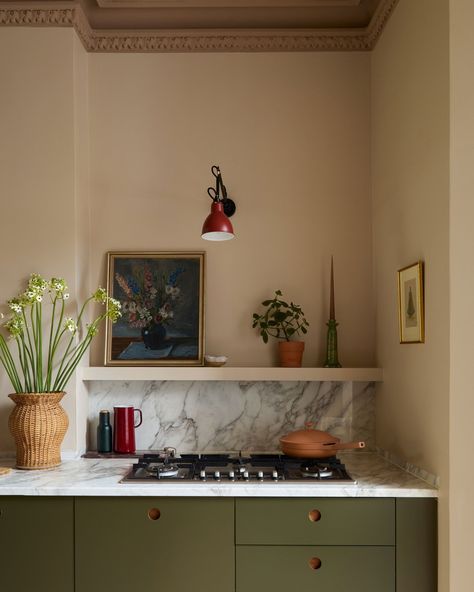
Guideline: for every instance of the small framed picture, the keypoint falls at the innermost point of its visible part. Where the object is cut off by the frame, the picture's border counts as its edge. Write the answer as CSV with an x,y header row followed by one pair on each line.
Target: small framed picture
x,y
162,298
411,304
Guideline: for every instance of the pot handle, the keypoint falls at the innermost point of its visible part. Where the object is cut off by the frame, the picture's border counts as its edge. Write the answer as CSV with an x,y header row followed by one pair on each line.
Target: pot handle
x,y
139,411
346,445
339,445
309,425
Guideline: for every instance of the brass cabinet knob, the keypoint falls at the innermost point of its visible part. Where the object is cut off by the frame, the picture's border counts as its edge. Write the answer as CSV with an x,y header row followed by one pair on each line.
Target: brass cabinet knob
x,y
314,515
315,563
154,514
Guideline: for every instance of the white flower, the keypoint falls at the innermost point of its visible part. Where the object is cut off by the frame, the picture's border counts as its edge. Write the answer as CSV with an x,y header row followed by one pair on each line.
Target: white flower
x,y
66,296
168,289
15,307
39,298
70,324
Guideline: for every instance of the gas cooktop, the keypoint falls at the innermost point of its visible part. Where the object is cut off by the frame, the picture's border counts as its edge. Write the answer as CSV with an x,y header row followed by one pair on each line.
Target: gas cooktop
x,y
167,466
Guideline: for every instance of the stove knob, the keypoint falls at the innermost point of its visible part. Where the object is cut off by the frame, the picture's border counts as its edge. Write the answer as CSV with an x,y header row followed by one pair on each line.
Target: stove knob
x,y
260,475
217,475
275,475
231,475
202,475
246,475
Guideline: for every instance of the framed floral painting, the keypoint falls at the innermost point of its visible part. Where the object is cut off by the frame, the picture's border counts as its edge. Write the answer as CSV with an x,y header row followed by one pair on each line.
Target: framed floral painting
x,y
411,304
162,298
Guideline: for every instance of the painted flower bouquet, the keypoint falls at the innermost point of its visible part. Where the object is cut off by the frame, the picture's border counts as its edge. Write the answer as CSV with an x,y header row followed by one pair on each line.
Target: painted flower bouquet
x,y
151,298
48,348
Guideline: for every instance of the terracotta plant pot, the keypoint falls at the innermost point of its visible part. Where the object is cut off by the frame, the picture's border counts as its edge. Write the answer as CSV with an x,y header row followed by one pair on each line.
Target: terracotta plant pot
x,y
38,424
291,353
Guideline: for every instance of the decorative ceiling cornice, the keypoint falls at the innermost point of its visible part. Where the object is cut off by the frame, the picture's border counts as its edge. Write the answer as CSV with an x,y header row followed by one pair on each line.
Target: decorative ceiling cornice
x,y
71,14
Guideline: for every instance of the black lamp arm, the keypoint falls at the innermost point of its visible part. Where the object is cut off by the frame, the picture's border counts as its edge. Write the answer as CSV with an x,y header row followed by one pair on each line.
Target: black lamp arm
x,y
219,194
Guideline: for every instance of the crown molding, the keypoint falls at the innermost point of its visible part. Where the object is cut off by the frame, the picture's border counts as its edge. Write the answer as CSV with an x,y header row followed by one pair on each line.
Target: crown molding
x,y
379,20
71,14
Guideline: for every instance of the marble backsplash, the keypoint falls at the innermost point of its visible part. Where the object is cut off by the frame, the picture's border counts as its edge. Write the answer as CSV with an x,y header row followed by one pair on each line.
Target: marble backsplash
x,y
217,416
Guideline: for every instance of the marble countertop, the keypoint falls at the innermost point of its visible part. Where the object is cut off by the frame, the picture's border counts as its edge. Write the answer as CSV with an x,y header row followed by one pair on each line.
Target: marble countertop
x,y
375,477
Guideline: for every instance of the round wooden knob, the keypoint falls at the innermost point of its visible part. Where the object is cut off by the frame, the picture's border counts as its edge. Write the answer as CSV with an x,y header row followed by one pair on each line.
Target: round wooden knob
x,y
315,563
314,515
154,514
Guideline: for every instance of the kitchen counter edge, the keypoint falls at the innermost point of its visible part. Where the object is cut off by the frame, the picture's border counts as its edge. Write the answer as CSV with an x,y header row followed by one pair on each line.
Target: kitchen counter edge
x,y
375,476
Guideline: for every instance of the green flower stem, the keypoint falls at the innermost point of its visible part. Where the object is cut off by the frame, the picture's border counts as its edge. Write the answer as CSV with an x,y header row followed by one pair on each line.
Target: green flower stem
x,y
35,349
50,361
39,315
72,365
9,365
66,353
30,343
58,333
24,366
27,356
10,371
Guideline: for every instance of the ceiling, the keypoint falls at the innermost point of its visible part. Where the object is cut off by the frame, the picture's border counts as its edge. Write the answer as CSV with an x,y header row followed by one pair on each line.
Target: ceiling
x,y
209,25
230,14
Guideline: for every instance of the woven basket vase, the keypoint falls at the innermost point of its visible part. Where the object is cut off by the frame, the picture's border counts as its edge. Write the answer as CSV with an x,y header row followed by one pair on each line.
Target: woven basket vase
x,y
38,424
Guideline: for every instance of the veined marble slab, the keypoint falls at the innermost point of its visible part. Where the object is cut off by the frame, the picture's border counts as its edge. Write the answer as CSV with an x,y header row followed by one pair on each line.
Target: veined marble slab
x,y
376,477
217,416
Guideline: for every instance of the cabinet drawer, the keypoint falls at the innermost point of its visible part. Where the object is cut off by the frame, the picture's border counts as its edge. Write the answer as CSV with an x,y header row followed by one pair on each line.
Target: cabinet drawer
x,y
279,569
315,521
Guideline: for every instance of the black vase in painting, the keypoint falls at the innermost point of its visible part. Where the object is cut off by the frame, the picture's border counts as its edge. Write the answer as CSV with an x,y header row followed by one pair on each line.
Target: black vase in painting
x,y
154,336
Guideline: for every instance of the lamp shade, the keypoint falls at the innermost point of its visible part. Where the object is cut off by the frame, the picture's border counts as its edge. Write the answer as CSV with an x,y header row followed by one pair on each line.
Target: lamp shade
x,y
217,226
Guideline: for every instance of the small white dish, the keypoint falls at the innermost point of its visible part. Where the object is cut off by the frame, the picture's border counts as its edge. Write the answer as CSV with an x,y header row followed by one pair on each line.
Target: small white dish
x,y
215,360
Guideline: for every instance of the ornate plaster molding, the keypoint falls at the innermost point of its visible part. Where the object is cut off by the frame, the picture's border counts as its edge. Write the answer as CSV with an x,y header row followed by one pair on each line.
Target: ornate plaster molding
x,y
379,20
184,41
71,14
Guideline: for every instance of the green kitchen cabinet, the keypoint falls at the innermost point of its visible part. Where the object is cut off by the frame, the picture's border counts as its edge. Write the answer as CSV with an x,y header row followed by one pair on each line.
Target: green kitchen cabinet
x,y
36,544
336,544
310,569
151,544
154,544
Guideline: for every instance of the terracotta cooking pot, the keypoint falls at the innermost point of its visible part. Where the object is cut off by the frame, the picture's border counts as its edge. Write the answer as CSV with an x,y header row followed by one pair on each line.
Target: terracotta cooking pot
x,y
310,443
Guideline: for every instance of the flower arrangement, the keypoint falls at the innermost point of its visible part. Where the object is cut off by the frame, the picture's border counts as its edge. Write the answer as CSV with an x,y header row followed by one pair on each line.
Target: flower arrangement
x,y
281,320
48,354
150,297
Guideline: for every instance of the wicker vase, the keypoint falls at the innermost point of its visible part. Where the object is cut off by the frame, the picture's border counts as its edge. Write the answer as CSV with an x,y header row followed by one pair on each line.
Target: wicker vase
x,y
38,424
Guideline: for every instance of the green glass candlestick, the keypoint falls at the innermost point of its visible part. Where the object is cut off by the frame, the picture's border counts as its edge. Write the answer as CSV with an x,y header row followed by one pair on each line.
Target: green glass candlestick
x,y
331,354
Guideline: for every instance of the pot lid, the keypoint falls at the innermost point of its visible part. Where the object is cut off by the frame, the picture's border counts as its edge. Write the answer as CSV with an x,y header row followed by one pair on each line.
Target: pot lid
x,y
308,436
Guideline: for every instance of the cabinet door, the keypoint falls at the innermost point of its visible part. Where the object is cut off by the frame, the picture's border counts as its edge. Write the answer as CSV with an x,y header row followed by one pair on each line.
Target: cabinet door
x,y
311,569
154,545
36,544
416,545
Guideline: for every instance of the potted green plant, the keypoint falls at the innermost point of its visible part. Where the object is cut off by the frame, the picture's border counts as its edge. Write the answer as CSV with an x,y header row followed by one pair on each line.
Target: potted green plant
x,y
284,321
40,357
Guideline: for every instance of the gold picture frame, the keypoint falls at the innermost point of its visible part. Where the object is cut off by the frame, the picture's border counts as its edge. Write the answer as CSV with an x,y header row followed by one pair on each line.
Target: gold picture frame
x,y
411,310
162,297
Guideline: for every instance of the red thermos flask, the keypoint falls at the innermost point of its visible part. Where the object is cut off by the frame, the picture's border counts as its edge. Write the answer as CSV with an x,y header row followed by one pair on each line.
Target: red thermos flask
x,y
124,428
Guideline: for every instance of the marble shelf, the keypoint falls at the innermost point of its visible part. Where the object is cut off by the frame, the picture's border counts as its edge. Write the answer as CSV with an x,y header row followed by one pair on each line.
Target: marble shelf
x,y
229,373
